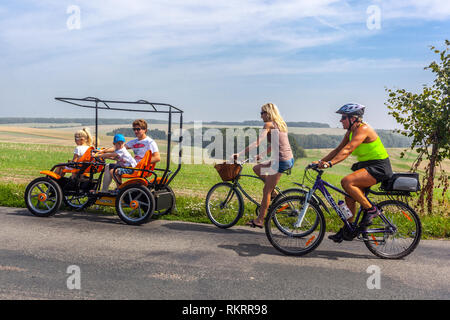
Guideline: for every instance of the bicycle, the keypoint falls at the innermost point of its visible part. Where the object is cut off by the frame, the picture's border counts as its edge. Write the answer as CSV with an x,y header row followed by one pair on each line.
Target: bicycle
x,y
225,203
394,234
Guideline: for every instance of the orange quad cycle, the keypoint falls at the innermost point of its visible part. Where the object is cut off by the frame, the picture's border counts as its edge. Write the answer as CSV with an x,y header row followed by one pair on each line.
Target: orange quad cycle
x,y
141,195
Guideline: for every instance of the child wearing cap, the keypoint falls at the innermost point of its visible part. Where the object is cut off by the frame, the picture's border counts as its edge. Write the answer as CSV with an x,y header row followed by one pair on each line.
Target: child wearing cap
x,y
123,158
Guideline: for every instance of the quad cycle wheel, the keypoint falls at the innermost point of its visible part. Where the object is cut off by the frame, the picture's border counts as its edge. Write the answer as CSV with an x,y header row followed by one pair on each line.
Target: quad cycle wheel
x,y
169,206
135,204
43,197
77,202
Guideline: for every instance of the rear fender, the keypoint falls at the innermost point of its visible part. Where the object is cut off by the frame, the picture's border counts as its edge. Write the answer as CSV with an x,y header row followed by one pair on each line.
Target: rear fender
x,y
51,174
140,181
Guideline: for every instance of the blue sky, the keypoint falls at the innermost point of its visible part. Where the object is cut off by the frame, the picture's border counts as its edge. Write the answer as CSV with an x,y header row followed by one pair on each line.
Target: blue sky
x,y
217,60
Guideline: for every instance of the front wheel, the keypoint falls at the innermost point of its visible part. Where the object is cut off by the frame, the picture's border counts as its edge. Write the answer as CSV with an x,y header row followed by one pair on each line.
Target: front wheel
x,y
395,234
43,197
224,205
135,204
289,192
294,227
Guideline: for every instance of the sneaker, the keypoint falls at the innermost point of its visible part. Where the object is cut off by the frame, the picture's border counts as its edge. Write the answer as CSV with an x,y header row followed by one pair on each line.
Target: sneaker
x,y
338,237
368,216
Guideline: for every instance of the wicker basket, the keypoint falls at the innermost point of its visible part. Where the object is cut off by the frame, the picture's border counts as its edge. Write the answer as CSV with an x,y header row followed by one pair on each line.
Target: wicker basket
x,y
228,171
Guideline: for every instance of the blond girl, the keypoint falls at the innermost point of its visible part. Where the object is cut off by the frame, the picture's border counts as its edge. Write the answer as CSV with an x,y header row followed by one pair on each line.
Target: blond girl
x,y
83,140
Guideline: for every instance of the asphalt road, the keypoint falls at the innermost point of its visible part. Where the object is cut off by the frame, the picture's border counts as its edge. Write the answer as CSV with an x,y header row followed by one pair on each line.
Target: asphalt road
x,y
179,260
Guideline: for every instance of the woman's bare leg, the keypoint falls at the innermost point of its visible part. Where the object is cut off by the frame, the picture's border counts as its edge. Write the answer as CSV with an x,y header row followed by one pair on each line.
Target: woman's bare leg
x,y
257,170
269,185
355,184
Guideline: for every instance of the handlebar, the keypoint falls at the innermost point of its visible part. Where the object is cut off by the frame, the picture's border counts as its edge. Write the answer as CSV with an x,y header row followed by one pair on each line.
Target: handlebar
x,y
312,166
315,166
240,162
97,159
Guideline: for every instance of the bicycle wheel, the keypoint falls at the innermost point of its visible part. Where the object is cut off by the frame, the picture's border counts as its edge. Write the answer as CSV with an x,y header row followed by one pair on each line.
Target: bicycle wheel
x,y
77,202
285,236
393,243
289,192
43,197
135,204
224,205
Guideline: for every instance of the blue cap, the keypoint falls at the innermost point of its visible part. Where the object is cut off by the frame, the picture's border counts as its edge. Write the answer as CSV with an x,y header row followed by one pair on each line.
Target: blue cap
x,y
119,137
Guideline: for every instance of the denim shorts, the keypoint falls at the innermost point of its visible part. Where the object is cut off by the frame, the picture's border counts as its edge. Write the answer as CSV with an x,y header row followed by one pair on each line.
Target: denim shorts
x,y
120,171
283,165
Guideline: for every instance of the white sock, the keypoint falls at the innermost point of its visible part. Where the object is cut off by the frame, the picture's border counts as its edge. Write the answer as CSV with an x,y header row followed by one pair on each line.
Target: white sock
x,y
106,179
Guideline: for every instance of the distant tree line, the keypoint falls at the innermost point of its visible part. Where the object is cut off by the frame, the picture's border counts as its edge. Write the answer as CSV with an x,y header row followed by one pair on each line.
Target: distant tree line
x,y
324,141
299,142
91,121
259,123
206,142
128,132
81,121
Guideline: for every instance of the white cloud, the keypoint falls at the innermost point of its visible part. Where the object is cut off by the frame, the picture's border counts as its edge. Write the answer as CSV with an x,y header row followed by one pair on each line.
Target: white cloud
x,y
420,9
176,47
161,24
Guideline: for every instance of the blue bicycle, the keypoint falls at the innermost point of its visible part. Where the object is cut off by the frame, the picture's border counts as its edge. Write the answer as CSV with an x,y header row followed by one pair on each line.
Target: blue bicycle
x,y
296,225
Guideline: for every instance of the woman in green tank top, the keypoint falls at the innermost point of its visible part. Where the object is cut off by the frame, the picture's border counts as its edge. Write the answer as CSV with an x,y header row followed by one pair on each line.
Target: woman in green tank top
x,y
373,164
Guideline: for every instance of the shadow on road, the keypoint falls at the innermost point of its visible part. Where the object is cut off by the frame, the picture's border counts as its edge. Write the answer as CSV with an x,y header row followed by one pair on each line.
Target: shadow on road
x,y
74,215
250,249
242,249
185,226
255,249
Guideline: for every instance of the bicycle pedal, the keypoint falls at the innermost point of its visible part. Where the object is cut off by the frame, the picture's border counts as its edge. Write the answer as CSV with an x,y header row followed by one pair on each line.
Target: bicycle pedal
x,y
349,235
362,237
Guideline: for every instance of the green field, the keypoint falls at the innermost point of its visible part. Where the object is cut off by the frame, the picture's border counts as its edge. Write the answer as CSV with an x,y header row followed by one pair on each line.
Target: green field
x,y
21,162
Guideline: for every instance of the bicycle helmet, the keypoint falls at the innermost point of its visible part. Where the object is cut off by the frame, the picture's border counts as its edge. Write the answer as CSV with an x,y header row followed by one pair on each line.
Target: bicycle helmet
x,y
352,109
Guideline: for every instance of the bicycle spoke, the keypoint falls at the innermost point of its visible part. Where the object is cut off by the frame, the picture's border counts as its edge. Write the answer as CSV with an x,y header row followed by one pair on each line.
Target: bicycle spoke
x,y
223,205
281,227
397,231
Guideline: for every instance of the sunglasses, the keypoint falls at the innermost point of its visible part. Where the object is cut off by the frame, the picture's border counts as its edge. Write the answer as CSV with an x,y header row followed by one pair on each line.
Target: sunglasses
x,y
262,112
137,129
343,118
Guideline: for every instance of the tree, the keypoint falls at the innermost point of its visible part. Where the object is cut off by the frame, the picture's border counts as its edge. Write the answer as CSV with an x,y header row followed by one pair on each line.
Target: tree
x,y
425,118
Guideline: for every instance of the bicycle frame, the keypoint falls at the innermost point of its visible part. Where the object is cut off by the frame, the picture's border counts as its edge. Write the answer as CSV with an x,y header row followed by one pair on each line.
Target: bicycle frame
x,y
238,185
322,185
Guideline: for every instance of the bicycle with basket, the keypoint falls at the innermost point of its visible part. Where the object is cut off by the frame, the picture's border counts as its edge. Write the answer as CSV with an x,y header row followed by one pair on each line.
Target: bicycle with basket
x,y
225,200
